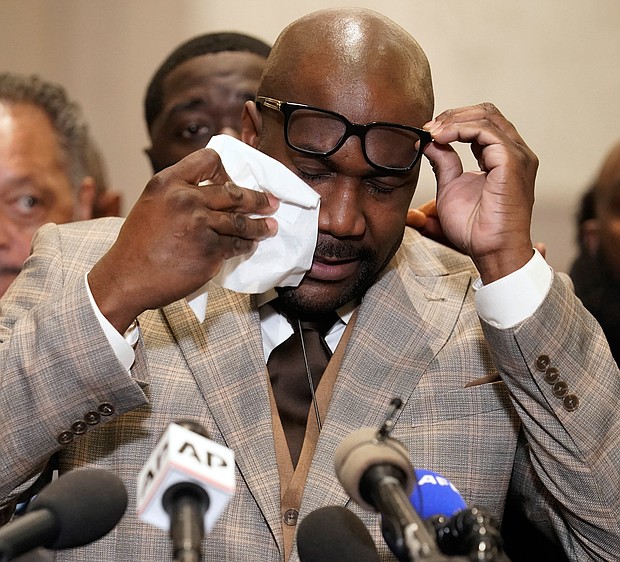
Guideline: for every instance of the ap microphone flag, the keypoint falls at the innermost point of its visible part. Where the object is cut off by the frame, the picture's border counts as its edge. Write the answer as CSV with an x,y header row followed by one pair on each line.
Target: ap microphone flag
x,y
434,494
183,456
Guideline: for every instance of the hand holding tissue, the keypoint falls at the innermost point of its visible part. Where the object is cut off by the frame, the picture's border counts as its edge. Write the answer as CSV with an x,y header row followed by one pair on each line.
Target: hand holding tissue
x,y
282,260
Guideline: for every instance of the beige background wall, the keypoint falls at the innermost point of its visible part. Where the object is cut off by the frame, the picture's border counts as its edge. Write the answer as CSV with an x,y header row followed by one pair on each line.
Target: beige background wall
x,y
550,65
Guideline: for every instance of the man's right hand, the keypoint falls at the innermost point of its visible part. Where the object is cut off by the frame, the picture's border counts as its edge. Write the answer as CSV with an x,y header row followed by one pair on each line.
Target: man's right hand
x,y
177,236
425,220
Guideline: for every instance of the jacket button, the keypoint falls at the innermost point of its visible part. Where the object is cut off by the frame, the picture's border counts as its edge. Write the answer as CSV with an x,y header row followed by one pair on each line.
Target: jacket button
x,y
560,389
543,362
92,418
552,375
106,409
290,517
65,437
570,402
79,427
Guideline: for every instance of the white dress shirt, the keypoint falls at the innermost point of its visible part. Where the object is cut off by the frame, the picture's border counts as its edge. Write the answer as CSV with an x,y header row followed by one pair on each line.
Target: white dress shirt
x,y
503,304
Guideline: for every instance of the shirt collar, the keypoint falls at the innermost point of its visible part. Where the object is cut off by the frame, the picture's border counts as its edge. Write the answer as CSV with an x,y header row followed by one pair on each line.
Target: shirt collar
x,y
198,303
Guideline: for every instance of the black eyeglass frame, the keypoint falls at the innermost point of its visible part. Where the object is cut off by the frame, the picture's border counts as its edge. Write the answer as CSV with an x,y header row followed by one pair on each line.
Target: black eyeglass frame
x,y
287,108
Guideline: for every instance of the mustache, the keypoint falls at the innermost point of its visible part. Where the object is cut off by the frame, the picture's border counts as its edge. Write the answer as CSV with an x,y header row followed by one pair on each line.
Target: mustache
x,y
341,249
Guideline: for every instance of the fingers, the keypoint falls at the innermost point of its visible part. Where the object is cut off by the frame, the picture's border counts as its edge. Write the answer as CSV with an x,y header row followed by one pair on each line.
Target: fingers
x,y
445,161
415,218
542,248
485,126
238,225
494,141
484,112
203,171
429,208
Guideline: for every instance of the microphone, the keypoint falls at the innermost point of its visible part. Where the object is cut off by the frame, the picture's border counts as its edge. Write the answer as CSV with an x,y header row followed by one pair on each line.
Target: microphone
x,y
375,471
334,534
472,532
459,530
77,508
434,495
185,485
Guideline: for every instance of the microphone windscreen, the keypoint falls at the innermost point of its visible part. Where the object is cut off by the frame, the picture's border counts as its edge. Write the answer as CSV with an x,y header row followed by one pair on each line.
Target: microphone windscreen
x,y
434,494
359,451
334,534
87,504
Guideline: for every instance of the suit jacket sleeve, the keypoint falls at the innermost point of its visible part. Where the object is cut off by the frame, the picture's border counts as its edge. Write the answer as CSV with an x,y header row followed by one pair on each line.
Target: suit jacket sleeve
x,y
58,375
567,399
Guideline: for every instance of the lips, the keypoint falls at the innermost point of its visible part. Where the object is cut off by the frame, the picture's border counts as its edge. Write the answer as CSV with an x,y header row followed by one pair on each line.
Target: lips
x,y
331,269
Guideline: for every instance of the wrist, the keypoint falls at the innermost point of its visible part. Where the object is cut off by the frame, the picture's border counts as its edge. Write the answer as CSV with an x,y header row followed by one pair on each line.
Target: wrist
x,y
112,299
494,266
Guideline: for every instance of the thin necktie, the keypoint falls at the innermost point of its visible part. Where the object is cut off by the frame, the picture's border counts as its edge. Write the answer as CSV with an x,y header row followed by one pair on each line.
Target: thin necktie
x,y
289,375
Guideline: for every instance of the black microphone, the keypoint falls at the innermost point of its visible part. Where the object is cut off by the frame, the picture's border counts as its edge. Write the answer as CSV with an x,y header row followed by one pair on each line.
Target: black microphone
x,y
76,509
471,532
185,485
463,533
375,471
334,534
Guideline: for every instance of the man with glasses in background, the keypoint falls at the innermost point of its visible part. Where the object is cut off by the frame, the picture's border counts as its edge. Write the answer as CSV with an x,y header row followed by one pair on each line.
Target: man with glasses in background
x,y
508,386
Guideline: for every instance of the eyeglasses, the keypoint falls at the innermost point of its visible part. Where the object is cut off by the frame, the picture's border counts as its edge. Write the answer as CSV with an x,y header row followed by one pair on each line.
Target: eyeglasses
x,y
388,147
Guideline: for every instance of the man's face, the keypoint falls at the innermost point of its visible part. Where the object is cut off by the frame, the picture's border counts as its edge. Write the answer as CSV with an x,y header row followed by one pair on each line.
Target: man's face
x,y
34,184
363,211
203,97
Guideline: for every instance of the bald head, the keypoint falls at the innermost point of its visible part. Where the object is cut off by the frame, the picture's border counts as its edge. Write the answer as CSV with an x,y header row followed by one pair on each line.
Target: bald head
x,y
348,48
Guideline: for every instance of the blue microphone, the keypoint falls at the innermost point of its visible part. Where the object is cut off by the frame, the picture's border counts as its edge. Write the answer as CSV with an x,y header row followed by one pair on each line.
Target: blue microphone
x,y
435,495
460,532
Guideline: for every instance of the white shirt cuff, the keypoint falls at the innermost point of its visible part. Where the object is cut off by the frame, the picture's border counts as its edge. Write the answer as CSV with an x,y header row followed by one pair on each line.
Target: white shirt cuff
x,y
511,299
121,345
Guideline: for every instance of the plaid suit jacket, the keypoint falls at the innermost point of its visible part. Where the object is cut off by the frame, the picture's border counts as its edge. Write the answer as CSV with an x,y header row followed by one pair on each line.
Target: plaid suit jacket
x,y
417,336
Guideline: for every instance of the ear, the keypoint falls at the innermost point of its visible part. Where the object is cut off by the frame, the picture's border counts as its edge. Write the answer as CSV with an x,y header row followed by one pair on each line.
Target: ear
x,y
590,235
108,204
251,124
85,201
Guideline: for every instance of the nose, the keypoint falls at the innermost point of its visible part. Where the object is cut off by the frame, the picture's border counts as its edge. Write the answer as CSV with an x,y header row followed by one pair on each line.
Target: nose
x,y
341,213
342,206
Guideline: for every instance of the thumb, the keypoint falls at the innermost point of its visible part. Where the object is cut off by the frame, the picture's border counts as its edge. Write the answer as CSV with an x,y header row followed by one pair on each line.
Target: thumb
x,y
445,161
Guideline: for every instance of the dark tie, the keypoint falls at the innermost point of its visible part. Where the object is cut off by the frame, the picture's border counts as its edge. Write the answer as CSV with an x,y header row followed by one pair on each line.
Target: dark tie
x,y
289,377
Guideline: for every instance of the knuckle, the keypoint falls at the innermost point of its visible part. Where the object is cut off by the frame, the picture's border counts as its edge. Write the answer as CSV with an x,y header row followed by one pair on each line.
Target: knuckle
x,y
183,199
157,183
234,192
240,222
489,107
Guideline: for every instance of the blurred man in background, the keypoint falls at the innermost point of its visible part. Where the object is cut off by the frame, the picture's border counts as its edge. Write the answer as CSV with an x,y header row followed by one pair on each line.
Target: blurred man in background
x,y
43,165
199,91
596,270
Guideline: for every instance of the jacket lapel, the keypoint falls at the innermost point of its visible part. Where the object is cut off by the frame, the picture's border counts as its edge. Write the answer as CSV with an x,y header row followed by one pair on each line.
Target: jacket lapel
x,y
225,355
403,322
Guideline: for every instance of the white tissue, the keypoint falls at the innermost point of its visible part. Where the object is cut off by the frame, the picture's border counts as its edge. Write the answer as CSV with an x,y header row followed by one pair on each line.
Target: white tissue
x,y
283,259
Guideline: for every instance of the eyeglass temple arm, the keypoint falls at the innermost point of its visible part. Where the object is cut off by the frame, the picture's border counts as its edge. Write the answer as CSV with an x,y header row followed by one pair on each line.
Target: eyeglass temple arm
x,y
269,102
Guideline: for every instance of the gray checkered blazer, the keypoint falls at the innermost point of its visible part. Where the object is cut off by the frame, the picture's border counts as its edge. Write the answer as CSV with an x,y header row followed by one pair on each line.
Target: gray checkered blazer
x,y
477,407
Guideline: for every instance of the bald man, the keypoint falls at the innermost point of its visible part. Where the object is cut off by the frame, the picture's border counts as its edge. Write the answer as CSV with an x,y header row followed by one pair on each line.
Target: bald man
x,y
507,384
